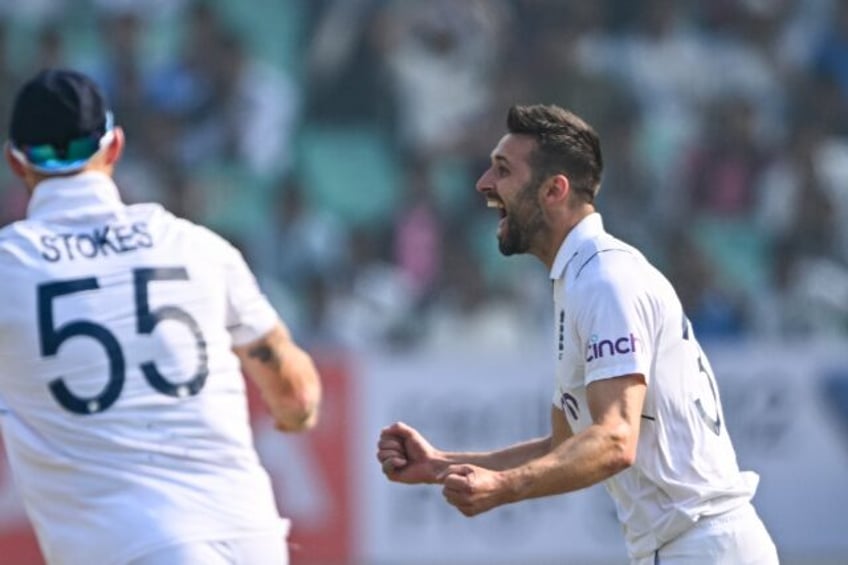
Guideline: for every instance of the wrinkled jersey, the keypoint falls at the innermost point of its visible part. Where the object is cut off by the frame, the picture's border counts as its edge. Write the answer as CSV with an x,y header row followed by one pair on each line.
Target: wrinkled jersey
x,y
616,315
122,404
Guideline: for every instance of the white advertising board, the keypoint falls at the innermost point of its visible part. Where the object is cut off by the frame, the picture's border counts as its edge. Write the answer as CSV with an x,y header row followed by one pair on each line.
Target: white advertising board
x,y
776,409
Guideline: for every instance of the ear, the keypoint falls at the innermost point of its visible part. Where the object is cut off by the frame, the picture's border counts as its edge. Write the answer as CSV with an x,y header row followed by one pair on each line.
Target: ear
x,y
116,148
556,189
18,168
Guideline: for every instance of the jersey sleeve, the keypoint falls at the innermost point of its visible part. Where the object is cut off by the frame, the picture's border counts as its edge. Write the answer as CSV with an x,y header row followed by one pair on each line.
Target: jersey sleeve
x,y
615,328
249,314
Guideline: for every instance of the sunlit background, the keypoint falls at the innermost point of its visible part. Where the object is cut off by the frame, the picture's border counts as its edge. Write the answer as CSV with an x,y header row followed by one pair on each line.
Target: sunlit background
x,y
337,143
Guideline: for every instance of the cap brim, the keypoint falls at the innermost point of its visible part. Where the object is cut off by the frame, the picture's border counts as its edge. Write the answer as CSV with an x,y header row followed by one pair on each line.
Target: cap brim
x,y
54,167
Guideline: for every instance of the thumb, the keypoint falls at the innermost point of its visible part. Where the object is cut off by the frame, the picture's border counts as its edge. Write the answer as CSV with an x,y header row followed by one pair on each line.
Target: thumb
x,y
459,470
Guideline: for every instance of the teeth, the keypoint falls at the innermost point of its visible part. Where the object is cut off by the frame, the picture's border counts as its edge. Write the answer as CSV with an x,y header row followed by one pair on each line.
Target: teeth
x,y
494,204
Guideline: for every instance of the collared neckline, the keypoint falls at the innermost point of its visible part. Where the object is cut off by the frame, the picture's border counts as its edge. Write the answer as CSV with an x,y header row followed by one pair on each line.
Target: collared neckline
x,y
65,195
587,228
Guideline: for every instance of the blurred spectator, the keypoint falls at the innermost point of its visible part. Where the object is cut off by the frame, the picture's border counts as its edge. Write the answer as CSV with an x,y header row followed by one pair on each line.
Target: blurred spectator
x,y
50,50
316,325
7,76
809,277
374,308
309,245
628,186
662,59
720,183
780,183
812,294
723,121
550,60
715,313
182,86
440,56
252,115
344,57
725,169
418,233
666,66
831,57
35,11
120,70
831,164
160,7
744,65
468,313
834,394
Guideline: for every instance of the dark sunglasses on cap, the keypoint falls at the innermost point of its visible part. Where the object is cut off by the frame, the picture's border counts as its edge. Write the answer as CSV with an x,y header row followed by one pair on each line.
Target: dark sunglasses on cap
x,y
51,160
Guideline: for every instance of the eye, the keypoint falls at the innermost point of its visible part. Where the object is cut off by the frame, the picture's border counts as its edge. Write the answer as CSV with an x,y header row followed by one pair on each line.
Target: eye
x,y
501,171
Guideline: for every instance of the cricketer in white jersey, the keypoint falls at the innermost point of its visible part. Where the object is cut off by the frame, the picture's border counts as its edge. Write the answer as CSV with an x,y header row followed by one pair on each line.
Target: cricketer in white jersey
x,y
123,333
635,405
615,314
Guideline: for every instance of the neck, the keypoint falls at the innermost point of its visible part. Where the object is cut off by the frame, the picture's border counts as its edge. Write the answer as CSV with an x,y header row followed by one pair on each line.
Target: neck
x,y
558,231
32,178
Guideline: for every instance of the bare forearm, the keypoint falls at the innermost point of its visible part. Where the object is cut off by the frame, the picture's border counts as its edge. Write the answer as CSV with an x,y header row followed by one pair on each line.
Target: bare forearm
x,y
573,462
502,459
295,404
286,377
583,460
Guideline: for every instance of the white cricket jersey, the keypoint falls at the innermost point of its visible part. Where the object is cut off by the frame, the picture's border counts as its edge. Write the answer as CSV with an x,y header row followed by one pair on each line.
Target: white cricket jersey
x,y
618,315
122,404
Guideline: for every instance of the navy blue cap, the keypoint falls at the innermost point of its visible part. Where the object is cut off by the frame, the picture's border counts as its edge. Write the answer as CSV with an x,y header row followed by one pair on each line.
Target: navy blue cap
x,y
58,119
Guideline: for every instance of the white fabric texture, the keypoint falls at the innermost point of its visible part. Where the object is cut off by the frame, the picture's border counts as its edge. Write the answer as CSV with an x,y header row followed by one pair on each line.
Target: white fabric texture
x,y
126,423
617,315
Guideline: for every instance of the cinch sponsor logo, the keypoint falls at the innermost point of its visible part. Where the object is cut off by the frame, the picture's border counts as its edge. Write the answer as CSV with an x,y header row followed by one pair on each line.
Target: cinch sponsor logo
x,y
598,348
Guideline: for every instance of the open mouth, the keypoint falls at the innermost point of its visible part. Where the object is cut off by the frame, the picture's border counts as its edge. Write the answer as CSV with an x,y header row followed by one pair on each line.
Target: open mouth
x,y
497,204
491,203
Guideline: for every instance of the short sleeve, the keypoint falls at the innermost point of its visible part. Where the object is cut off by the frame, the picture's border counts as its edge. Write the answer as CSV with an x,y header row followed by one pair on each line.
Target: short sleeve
x,y
556,398
615,328
249,314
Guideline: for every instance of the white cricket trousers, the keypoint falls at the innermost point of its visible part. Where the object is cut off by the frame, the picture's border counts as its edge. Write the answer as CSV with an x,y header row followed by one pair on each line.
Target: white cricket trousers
x,y
253,550
737,537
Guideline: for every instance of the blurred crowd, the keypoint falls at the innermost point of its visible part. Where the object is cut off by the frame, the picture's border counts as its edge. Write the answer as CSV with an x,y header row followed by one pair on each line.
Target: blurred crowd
x,y
337,143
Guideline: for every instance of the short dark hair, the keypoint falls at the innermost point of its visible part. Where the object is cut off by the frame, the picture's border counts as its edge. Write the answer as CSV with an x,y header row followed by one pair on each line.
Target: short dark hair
x,y
566,144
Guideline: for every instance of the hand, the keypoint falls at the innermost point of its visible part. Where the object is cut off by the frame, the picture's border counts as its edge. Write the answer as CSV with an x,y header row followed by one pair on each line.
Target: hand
x,y
406,457
297,423
473,490
290,416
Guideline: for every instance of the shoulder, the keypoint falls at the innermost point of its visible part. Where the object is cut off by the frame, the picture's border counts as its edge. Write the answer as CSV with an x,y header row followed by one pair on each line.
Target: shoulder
x,y
7,246
606,260
13,231
610,272
167,225
16,245
607,269
7,232
214,243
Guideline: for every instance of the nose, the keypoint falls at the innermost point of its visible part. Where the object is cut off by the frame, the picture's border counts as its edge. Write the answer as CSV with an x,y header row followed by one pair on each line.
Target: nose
x,y
484,183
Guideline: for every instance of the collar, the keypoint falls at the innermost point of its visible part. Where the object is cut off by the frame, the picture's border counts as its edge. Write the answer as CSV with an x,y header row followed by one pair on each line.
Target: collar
x,y
589,227
64,195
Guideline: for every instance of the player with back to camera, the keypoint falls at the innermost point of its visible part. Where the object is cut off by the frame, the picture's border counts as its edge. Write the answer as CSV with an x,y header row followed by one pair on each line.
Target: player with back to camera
x,y
635,404
123,333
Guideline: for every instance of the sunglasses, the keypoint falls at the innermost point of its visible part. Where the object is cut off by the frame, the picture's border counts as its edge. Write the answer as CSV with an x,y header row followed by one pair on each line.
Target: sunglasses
x,y
48,159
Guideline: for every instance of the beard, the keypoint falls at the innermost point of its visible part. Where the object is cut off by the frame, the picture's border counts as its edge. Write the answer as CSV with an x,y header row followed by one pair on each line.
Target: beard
x,y
524,223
